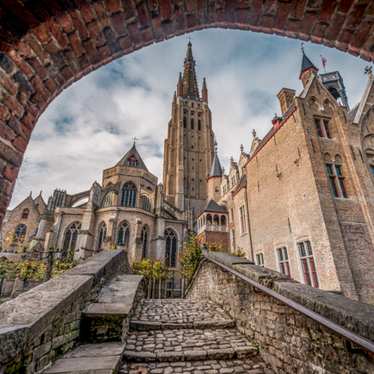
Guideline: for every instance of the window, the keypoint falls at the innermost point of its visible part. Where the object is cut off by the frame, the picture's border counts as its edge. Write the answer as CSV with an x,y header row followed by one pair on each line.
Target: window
x,y
199,124
128,195
192,123
323,127
25,213
336,180
70,240
20,232
284,265
243,221
109,199
184,122
372,169
307,263
123,236
132,161
260,259
170,248
145,203
144,241
101,236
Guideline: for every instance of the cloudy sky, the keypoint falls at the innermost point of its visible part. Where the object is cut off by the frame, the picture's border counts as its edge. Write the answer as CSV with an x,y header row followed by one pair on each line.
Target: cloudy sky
x,y
91,124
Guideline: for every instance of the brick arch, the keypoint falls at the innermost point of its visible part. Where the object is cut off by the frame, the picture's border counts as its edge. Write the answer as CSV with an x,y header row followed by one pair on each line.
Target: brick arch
x,y
48,44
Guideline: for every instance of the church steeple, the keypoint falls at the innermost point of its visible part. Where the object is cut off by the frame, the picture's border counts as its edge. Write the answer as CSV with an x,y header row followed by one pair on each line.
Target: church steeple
x,y
189,80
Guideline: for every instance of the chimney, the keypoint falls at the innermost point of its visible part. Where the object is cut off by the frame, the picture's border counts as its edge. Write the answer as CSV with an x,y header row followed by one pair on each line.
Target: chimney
x,y
286,97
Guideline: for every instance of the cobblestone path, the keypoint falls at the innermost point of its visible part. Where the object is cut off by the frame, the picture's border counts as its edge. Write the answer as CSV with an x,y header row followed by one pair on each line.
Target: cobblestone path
x,y
184,336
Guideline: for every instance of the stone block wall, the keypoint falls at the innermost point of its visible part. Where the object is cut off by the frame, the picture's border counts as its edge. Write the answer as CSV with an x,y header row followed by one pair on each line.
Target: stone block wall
x,y
43,323
289,341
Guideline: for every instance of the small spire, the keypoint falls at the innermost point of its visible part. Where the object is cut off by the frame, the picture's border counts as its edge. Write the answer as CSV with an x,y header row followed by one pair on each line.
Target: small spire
x,y
254,134
216,169
134,139
204,91
241,148
306,64
180,85
215,146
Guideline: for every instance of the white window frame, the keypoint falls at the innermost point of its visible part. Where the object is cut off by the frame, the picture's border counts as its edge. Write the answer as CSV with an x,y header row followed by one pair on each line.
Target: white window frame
x,y
260,260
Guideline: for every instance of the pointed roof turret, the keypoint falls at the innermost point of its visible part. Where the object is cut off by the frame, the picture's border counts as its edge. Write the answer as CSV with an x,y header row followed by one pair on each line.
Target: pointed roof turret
x,y
306,64
190,88
132,159
216,169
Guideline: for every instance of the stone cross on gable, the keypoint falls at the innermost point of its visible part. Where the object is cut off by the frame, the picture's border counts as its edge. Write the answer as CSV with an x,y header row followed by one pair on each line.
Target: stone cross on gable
x,y
135,139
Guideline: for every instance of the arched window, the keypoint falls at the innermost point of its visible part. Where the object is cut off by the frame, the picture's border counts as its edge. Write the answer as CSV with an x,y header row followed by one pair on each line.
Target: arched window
x,y
25,213
128,197
209,219
109,200
170,248
123,237
70,239
20,232
101,235
145,203
144,240
223,220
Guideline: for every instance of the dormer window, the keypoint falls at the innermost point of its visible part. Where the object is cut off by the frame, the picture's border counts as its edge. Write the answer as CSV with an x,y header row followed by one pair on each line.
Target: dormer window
x,y
132,161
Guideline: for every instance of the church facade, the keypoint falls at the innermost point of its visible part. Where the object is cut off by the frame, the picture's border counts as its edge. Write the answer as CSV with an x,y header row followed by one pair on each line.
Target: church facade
x,y
299,201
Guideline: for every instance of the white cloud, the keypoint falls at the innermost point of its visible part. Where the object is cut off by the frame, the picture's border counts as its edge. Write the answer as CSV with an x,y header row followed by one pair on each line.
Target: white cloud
x,y
91,124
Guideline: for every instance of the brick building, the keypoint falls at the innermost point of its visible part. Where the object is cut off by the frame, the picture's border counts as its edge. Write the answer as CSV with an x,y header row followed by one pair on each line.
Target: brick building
x,y
301,201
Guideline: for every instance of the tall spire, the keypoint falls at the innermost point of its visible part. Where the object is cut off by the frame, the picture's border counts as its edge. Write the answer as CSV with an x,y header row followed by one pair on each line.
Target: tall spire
x,y
190,88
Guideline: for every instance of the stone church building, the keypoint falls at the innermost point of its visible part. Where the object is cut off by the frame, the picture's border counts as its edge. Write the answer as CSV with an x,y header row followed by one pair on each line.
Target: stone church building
x,y
300,200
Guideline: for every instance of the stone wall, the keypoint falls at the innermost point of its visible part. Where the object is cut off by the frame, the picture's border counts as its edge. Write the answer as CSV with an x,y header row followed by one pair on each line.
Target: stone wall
x,y
43,323
289,341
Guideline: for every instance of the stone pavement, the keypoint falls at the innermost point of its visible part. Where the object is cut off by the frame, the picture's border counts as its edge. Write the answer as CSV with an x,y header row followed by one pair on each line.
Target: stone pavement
x,y
185,336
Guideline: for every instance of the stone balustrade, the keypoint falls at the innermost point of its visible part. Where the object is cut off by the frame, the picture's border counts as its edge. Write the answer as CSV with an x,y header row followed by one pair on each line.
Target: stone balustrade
x,y
44,323
299,329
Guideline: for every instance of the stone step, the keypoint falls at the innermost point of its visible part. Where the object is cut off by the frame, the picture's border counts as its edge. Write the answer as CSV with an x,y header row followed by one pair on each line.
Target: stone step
x,y
187,345
107,318
102,358
148,325
244,366
180,312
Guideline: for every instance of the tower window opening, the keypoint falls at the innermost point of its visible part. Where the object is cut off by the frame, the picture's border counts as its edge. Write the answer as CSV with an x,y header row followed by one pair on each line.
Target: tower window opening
x,y
199,124
184,122
192,124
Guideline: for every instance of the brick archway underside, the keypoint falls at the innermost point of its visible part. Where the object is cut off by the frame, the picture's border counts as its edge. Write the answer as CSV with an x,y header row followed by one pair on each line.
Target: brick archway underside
x,y
45,45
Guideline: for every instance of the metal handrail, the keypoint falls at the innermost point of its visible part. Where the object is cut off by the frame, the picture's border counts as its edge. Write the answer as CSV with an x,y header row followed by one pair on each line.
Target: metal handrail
x,y
342,331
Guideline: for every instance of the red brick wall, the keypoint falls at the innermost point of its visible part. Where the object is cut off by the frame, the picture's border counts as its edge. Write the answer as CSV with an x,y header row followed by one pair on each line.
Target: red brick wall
x,y
47,45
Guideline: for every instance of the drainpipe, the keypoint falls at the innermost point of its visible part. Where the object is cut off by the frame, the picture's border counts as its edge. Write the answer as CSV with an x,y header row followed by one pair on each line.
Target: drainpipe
x,y
249,225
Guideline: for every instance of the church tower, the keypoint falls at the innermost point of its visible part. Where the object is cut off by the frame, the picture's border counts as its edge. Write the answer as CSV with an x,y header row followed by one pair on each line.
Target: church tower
x,y
189,146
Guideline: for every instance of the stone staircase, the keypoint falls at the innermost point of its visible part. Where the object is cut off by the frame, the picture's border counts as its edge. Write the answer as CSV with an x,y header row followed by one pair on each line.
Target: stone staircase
x,y
101,331
185,336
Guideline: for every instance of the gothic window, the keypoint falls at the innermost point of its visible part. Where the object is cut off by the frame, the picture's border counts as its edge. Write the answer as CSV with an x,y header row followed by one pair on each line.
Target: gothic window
x,y
192,123
145,203
243,220
144,241
184,122
336,178
128,197
283,262
199,124
20,232
260,259
25,213
132,161
170,248
323,127
123,236
307,263
70,240
101,236
109,199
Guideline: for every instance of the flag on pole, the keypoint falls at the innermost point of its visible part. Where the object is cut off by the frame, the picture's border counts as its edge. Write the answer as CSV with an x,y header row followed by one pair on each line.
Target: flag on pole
x,y
324,62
